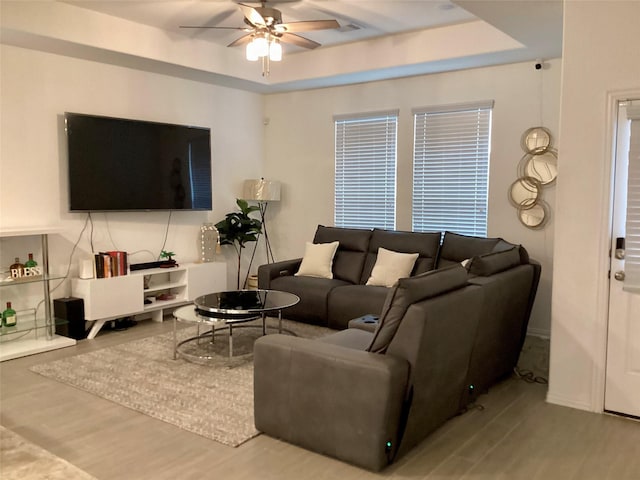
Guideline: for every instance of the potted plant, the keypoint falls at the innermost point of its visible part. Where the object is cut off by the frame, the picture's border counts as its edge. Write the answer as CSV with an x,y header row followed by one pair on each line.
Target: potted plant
x,y
169,262
238,228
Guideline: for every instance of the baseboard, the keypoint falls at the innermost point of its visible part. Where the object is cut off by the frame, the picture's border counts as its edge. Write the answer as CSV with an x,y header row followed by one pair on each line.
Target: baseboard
x,y
569,402
539,332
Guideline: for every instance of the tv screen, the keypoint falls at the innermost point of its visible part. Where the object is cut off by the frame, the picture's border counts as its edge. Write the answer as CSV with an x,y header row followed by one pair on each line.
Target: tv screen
x,y
118,164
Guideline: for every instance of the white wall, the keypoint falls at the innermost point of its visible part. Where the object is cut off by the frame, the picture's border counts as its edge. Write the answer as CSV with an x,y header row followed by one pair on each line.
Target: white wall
x,y
297,129
600,57
37,88
300,141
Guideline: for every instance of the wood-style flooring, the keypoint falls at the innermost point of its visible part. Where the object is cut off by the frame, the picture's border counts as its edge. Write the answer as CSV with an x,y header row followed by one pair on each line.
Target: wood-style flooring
x,y
516,436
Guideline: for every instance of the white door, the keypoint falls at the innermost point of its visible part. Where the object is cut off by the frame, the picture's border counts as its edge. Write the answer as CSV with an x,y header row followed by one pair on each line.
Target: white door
x,y
622,388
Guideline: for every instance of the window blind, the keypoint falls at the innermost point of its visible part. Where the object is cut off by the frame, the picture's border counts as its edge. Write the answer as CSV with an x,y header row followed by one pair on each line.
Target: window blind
x,y
451,168
365,171
632,239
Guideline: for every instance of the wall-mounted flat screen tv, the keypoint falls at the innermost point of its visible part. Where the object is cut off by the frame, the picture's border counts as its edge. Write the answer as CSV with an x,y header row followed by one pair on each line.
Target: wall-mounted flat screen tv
x,y
117,164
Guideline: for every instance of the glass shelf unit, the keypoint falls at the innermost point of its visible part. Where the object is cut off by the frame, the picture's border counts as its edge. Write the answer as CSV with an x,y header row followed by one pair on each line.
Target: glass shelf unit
x,y
26,337
25,280
27,322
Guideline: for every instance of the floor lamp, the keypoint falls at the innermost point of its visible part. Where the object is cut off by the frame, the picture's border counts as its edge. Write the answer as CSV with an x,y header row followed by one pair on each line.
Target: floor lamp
x,y
262,191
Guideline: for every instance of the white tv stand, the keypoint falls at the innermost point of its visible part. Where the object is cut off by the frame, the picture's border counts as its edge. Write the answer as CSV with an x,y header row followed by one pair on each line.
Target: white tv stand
x,y
106,299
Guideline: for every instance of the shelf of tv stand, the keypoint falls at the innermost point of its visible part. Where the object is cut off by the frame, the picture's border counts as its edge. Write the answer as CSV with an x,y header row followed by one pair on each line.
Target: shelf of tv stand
x,y
163,286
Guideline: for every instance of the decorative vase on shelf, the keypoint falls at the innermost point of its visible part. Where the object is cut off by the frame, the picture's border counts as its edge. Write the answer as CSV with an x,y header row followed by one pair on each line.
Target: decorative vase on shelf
x,y
209,242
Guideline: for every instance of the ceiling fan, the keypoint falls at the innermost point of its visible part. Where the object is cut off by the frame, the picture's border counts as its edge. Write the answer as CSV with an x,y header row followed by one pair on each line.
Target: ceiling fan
x,y
266,23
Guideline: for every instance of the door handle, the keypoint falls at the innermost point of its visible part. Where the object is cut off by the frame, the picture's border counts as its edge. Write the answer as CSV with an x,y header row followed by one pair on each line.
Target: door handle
x,y
619,253
619,275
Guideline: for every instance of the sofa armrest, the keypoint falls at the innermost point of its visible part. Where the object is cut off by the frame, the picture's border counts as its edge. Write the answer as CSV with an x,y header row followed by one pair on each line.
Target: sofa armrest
x,y
269,271
330,399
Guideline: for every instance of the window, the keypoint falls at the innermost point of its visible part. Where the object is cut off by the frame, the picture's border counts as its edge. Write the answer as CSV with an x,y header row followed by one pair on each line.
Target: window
x,y
365,176
632,225
451,168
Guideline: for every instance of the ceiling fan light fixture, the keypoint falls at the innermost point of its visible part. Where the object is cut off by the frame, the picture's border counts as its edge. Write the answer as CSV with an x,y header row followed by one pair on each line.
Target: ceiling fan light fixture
x,y
251,53
261,45
265,32
275,50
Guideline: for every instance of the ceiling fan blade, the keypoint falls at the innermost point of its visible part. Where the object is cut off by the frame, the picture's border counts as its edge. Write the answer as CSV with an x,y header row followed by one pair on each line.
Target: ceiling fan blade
x,y
298,40
241,41
207,26
252,15
307,26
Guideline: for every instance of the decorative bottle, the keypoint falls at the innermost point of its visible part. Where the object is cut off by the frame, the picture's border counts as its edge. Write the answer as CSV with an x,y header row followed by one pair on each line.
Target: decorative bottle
x,y
17,269
31,262
209,242
9,318
31,268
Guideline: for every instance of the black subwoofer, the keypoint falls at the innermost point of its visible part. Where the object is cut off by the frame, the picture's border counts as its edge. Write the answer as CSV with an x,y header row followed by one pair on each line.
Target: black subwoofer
x,y
69,317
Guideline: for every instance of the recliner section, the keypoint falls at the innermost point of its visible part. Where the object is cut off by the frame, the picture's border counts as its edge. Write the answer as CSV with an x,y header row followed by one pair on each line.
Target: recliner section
x,y
336,397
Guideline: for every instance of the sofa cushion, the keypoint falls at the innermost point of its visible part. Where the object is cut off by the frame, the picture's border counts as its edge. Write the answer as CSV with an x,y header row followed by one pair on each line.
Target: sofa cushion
x,y
456,248
313,293
411,290
353,338
495,262
318,260
390,266
425,244
352,249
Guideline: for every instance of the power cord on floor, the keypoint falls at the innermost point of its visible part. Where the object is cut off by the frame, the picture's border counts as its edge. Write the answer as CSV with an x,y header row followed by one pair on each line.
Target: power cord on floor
x,y
529,377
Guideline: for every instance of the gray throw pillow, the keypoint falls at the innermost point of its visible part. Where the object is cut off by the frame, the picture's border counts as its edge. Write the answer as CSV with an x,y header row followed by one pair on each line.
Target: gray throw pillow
x,y
496,262
411,290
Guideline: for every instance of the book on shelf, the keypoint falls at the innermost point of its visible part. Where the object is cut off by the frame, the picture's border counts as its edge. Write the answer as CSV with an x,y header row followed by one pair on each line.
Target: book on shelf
x,y
110,264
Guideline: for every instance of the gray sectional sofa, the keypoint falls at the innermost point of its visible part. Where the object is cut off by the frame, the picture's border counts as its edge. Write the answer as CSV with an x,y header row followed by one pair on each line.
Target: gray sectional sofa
x,y
446,333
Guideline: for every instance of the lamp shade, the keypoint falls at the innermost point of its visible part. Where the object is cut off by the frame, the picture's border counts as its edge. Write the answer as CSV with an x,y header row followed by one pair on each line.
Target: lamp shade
x,y
261,190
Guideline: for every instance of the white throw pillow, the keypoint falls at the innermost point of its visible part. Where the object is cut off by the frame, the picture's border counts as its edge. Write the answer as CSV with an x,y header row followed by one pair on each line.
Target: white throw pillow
x,y
390,266
318,260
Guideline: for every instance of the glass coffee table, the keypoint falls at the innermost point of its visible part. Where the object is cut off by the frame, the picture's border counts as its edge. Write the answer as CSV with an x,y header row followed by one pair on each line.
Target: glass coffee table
x,y
222,311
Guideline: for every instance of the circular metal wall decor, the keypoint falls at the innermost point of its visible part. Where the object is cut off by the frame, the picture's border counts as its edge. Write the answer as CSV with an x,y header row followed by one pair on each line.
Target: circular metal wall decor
x,y
536,216
525,192
537,168
542,167
536,140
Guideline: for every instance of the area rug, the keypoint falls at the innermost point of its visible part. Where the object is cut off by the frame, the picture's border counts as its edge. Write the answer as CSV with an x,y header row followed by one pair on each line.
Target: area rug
x,y
22,460
213,398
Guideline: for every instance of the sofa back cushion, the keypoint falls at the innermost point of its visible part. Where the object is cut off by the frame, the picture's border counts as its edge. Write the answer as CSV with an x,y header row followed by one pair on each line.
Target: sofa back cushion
x,y
425,244
457,248
504,245
352,250
495,262
411,290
